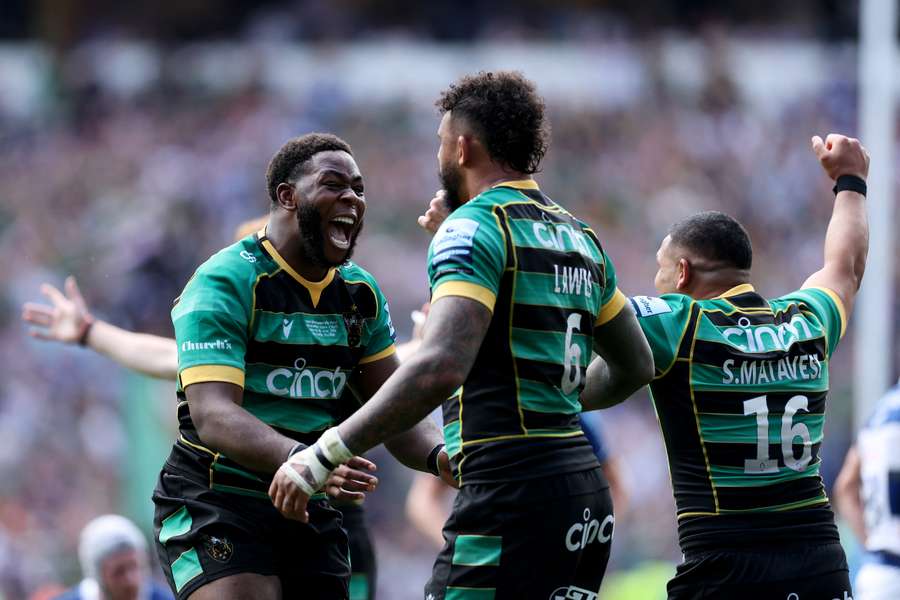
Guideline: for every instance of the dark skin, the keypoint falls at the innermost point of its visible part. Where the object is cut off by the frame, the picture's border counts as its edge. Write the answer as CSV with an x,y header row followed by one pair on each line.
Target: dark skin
x,y
332,182
456,325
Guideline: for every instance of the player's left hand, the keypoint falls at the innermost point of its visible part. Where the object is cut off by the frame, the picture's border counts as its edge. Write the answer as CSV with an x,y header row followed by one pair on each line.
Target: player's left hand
x,y
350,482
443,461
287,496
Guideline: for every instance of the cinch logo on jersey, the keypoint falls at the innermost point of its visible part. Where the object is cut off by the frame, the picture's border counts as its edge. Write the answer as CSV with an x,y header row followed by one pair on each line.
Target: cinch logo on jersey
x,y
216,345
572,593
301,382
560,236
765,338
592,530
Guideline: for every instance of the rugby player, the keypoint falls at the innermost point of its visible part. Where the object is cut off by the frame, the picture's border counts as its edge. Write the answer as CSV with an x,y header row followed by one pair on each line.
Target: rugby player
x,y
269,332
69,320
521,291
740,392
867,494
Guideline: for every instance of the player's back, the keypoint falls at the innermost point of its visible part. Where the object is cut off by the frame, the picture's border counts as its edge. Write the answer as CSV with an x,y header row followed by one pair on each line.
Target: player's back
x,y
740,393
546,278
879,454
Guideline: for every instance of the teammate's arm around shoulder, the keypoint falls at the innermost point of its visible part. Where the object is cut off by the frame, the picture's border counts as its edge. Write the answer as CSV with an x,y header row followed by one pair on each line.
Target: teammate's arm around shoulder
x,y
625,363
846,161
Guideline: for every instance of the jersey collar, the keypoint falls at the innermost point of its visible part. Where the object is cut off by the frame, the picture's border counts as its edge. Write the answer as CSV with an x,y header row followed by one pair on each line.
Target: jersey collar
x,y
520,184
736,291
314,288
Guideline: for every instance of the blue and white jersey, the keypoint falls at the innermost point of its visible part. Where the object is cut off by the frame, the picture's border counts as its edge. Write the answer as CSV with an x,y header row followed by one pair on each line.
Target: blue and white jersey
x,y
879,453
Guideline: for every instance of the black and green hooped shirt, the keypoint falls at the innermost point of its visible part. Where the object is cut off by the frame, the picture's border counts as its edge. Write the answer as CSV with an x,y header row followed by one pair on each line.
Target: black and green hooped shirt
x,y
546,279
740,392
247,318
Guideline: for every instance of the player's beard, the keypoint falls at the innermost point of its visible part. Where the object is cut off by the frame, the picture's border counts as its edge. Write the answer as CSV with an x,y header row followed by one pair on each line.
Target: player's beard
x,y
451,181
312,241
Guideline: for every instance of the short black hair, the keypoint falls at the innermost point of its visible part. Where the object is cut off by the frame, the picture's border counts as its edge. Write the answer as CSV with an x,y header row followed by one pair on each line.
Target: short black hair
x,y
716,237
507,114
288,163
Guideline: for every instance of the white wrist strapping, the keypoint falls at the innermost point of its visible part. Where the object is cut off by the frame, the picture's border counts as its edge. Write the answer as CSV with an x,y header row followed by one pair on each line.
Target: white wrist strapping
x,y
320,459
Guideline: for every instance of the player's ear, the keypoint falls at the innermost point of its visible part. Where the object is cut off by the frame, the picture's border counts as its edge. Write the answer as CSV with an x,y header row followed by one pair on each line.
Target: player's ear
x,y
685,273
463,150
286,196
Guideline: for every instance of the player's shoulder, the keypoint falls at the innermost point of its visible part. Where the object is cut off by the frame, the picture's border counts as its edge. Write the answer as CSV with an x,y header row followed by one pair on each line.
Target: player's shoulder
x,y
242,260
667,305
363,287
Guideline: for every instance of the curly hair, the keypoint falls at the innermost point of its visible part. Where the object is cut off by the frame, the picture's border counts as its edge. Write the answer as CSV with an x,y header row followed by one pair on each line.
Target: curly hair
x,y
506,113
714,236
288,163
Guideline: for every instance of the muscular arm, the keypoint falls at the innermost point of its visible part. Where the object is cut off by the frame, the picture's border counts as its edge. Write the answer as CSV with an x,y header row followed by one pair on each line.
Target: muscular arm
x,y
847,237
847,498
224,426
625,363
453,334
412,446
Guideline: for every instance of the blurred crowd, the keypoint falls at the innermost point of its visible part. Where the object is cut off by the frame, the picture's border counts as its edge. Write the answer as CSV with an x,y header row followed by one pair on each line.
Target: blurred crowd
x,y
131,193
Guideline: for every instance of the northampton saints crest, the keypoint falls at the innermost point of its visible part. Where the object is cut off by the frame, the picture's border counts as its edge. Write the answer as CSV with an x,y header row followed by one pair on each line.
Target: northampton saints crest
x,y
218,549
354,322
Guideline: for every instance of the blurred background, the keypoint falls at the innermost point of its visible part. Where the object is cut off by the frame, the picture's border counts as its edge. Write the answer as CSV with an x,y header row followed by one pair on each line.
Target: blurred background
x,y
134,137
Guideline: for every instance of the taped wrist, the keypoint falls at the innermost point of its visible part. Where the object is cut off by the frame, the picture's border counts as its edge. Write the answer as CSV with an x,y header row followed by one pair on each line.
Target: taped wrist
x,y
316,462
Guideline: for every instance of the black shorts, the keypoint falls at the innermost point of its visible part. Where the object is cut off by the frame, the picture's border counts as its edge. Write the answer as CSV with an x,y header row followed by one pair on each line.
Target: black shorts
x,y
544,538
362,555
811,572
202,535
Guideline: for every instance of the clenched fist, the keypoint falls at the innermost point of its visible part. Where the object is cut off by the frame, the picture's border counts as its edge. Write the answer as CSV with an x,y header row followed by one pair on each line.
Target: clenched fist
x,y
841,155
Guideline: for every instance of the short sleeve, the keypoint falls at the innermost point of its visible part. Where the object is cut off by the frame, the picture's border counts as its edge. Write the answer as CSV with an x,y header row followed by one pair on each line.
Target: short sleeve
x,y
211,328
663,321
380,330
467,256
611,300
828,309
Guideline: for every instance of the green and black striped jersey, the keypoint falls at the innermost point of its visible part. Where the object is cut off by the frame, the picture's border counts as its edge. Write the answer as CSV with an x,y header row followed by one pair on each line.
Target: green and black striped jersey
x,y
548,283
740,392
247,318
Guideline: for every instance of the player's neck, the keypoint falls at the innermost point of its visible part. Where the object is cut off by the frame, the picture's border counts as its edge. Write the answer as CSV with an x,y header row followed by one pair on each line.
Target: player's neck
x,y
287,244
713,287
484,180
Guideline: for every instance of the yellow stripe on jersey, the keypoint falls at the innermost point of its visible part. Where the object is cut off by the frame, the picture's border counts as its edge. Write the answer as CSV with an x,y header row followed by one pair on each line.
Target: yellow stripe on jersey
x,y
838,303
314,287
392,349
205,373
611,309
465,289
519,184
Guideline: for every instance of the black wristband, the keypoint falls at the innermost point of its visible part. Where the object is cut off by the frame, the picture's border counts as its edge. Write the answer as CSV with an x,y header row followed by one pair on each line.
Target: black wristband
x,y
431,463
320,455
298,447
850,183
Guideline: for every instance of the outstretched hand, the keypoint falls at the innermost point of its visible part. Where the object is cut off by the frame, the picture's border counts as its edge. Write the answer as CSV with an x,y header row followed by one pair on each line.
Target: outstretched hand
x,y
65,320
350,482
841,155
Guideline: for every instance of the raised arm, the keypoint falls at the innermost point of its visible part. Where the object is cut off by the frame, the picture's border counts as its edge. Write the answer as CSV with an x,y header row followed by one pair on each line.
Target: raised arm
x,y
847,237
69,321
624,365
